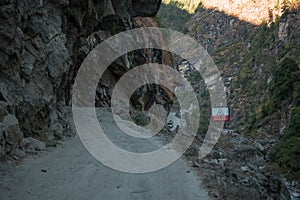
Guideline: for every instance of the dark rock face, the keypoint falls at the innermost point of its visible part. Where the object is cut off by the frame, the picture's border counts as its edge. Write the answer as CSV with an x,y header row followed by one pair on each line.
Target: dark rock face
x,y
42,44
141,10
146,8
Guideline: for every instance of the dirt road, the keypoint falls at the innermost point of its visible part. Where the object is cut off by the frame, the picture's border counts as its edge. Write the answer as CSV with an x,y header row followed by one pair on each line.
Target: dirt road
x,y
70,172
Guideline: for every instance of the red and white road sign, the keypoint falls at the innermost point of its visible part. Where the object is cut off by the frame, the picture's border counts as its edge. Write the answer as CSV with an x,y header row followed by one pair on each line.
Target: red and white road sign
x,y
220,114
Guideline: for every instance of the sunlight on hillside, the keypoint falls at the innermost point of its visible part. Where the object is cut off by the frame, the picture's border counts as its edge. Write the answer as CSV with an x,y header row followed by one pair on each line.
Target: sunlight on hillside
x,y
253,11
188,5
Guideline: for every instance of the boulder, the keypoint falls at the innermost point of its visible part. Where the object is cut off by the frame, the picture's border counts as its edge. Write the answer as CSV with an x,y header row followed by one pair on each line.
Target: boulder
x,y
11,131
18,152
34,143
3,110
215,154
259,146
57,126
247,153
244,168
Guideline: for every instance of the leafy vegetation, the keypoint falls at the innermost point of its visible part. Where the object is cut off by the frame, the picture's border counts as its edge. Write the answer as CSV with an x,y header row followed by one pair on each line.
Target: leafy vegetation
x,y
287,86
171,16
285,82
284,91
287,153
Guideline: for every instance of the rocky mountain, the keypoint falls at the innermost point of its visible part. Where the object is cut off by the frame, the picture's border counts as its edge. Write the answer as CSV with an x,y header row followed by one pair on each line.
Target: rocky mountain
x,y
42,45
255,45
256,48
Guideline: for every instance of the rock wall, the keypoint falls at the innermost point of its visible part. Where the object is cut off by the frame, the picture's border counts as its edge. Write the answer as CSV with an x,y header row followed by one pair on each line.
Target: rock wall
x,y
42,44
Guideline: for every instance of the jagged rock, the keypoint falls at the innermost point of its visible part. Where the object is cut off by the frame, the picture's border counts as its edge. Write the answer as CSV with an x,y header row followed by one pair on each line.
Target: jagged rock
x,y
245,181
248,153
214,194
295,195
244,168
222,161
263,180
11,129
18,153
34,143
4,95
149,10
193,150
215,161
195,163
259,146
59,126
214,154
40,53
2,132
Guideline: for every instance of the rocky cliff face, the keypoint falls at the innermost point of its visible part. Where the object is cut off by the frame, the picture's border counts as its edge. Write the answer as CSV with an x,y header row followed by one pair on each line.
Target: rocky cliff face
x,y
42,45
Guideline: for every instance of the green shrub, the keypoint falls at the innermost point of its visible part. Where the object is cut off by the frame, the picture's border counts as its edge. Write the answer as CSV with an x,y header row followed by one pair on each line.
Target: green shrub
x,y
286,86
296,87
171,16
287,153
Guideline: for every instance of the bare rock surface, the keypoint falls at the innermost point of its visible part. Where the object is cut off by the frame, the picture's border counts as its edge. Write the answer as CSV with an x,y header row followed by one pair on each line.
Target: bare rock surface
x,y
42,45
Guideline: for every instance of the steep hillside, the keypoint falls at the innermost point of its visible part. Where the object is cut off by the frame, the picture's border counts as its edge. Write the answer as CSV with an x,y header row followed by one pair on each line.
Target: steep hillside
x,y
256,62
258,55
255,12
260,67
172,16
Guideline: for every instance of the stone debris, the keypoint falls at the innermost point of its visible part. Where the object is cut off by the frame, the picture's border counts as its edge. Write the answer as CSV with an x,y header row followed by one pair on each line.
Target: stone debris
x,y
34,143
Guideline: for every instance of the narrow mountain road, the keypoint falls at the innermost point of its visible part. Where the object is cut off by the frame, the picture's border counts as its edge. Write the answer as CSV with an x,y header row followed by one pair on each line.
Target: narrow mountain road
x,y
70,172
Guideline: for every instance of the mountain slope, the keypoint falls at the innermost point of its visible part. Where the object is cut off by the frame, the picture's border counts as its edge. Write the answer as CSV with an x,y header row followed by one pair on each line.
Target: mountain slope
x,y
259,63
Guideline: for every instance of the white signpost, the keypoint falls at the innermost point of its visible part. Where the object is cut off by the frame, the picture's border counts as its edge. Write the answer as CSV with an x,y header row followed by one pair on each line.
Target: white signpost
x,y
220,114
